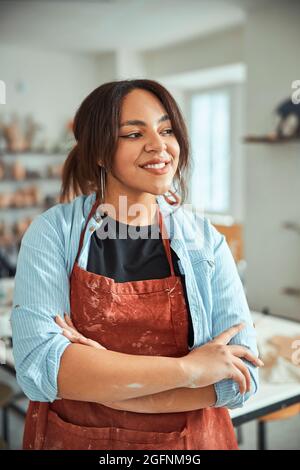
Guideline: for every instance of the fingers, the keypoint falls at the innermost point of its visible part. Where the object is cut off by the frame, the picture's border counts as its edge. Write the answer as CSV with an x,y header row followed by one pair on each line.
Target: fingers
x,y
241,351
244,370
82,339
238,377
63,324
94,344
91,342
227,335
73,335
68,320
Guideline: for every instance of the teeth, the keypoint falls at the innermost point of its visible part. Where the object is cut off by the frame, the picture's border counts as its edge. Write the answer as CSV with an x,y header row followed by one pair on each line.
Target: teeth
x,y
155,165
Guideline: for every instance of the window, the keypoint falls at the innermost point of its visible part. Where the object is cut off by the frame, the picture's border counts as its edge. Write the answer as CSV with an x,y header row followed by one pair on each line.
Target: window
x,y
211,150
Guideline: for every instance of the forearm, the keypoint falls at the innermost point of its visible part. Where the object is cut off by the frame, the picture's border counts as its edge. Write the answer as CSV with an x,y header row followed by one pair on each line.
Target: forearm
x,y
101,375
169,401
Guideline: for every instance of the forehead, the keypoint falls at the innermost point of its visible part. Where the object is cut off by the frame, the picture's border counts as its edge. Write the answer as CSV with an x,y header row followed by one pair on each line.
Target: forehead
x,y
139,103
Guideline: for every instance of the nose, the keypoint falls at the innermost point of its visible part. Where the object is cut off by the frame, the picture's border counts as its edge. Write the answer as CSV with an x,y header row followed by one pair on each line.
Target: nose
x,y
155,142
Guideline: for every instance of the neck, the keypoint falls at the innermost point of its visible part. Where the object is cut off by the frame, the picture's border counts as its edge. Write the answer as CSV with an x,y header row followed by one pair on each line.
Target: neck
x,y
130,207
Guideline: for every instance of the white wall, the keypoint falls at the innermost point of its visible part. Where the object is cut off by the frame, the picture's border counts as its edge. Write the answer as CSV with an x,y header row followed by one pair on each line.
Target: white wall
x,y
272,171
50,85
218,49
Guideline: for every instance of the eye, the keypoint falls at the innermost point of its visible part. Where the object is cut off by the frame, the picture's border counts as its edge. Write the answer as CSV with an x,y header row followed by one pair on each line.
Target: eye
x,y
129,136
169,130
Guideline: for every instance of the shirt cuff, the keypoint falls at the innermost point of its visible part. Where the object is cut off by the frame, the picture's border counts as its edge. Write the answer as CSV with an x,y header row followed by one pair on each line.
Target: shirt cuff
x,y
227,392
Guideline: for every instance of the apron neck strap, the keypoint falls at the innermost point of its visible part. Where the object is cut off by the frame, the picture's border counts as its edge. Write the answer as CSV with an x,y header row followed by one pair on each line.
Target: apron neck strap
x,y
166,241
94,207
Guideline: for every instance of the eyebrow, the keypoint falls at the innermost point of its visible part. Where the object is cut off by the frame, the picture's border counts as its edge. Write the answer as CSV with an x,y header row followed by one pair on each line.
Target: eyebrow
x,y
137,122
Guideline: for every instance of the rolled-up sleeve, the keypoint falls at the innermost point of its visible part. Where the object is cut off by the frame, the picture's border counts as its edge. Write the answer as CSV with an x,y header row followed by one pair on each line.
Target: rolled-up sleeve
x,y
230,307
41,292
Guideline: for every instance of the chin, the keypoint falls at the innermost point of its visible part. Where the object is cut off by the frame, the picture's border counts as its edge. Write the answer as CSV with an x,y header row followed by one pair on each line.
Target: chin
x,y
163,188
160,191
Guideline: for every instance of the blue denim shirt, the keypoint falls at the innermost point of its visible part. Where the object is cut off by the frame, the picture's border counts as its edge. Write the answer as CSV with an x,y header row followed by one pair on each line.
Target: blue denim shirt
x,y
45,261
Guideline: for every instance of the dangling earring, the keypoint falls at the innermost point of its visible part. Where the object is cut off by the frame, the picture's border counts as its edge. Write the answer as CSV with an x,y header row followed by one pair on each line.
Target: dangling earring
x,y
173,194
102,184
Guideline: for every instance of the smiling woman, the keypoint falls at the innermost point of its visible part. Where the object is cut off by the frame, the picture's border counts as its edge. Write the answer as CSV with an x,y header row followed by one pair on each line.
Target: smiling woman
x,y
143,126
146,140
143,360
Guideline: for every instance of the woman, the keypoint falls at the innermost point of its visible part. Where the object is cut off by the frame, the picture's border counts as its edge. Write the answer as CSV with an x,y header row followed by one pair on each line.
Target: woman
x,y
143,360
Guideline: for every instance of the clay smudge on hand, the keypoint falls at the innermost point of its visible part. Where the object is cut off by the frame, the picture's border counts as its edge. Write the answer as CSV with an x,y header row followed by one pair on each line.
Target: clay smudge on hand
x,y
135,385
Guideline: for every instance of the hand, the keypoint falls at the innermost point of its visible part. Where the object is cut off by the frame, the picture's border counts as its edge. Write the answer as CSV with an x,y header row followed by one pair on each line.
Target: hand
x,y
70,332
217,360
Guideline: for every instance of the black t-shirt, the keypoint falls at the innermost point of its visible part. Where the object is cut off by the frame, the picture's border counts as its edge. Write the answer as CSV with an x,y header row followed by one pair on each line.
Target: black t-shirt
x,y
129,253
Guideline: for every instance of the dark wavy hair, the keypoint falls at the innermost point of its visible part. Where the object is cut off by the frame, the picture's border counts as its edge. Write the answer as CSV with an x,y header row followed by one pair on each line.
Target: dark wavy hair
x,y
96,129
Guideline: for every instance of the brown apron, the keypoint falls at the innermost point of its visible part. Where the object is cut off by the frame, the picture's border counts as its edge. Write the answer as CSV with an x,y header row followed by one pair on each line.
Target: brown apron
x,y
147,317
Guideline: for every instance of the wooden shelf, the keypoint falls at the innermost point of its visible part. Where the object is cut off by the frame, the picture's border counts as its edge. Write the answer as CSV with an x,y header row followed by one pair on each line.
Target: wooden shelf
x,y
14,240
41,206
30,180
33,153
266,139
42,171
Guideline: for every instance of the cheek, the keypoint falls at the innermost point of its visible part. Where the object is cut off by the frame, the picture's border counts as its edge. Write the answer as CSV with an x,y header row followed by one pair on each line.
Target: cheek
x,y
124,161
175,149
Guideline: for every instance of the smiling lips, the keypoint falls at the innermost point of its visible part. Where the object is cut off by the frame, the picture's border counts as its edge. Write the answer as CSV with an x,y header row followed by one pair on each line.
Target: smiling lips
x,y
157,166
